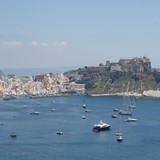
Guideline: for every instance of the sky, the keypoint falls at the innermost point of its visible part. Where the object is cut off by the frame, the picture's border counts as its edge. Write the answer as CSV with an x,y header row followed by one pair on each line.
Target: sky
x,y
56,33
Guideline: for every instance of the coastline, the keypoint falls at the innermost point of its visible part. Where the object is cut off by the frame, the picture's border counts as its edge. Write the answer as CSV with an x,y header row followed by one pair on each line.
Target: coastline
x,y
148,93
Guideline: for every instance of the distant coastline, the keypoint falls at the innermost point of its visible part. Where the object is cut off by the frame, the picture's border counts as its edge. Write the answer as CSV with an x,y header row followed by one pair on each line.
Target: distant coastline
x,y
36,71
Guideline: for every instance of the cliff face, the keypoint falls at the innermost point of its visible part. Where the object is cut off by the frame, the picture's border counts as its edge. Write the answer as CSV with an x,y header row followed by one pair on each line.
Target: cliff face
x,y
127,75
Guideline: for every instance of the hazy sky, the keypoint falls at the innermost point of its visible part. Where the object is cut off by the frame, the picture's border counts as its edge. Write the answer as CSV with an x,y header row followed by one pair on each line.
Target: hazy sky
x,y
52,33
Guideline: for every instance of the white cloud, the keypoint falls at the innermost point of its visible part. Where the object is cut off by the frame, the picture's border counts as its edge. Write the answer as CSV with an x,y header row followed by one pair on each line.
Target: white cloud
x,y
15,44
33,43
45,44
59,44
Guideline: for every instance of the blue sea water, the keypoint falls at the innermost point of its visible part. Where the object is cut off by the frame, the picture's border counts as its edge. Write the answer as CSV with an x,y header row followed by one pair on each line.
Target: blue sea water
x,y
37,138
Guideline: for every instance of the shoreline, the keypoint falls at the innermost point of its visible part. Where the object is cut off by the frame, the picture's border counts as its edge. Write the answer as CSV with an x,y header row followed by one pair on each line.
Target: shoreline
x,y
148,93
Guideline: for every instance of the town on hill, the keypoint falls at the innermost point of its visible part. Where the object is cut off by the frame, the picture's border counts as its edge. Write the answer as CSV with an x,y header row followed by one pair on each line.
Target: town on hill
x,y
127,76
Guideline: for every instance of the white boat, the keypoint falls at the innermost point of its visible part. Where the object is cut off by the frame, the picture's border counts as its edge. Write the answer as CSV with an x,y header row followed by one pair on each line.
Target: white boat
x,y
119,138
87,110
83,117
35,113
84,105
101,126
129,119
114,116
115,109
119,135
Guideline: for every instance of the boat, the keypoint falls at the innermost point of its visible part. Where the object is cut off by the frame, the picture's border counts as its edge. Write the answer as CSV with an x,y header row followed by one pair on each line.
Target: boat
x,y
34,113
59,133
13,135
83,117
119,135
84,105
115,109
114,116
53,109
119,138
101,126
126,103
87,110
129,119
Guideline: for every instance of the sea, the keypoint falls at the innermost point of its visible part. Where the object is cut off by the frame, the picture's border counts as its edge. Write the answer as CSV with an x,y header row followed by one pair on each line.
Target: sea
x,y
37,137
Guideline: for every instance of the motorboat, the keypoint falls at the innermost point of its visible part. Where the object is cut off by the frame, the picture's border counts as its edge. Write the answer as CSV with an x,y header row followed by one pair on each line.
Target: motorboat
x,y
87,110
13,135
83,117
114,116
119,138
115,109
101,126
119,135
59,133
129,119
34,113
84,105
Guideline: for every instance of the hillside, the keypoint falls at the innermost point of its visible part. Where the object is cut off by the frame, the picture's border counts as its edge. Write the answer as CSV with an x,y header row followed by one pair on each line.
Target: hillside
x,y
126,75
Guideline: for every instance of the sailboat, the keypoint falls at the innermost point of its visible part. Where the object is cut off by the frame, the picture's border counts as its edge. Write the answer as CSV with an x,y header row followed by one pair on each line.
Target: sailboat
x,y
125,110
119,134
132,103
126,104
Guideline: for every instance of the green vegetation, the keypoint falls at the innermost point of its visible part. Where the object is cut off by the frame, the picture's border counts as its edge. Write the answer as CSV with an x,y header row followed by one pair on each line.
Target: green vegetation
x,y
127,75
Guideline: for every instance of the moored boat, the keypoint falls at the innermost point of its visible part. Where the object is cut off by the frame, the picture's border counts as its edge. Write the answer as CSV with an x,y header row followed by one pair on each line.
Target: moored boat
x,y
13,135
59,133
119,138
101,126
35,113
129,119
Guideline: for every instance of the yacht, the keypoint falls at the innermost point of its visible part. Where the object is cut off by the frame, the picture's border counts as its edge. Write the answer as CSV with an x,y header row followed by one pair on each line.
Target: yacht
x,y
101,126
129,119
